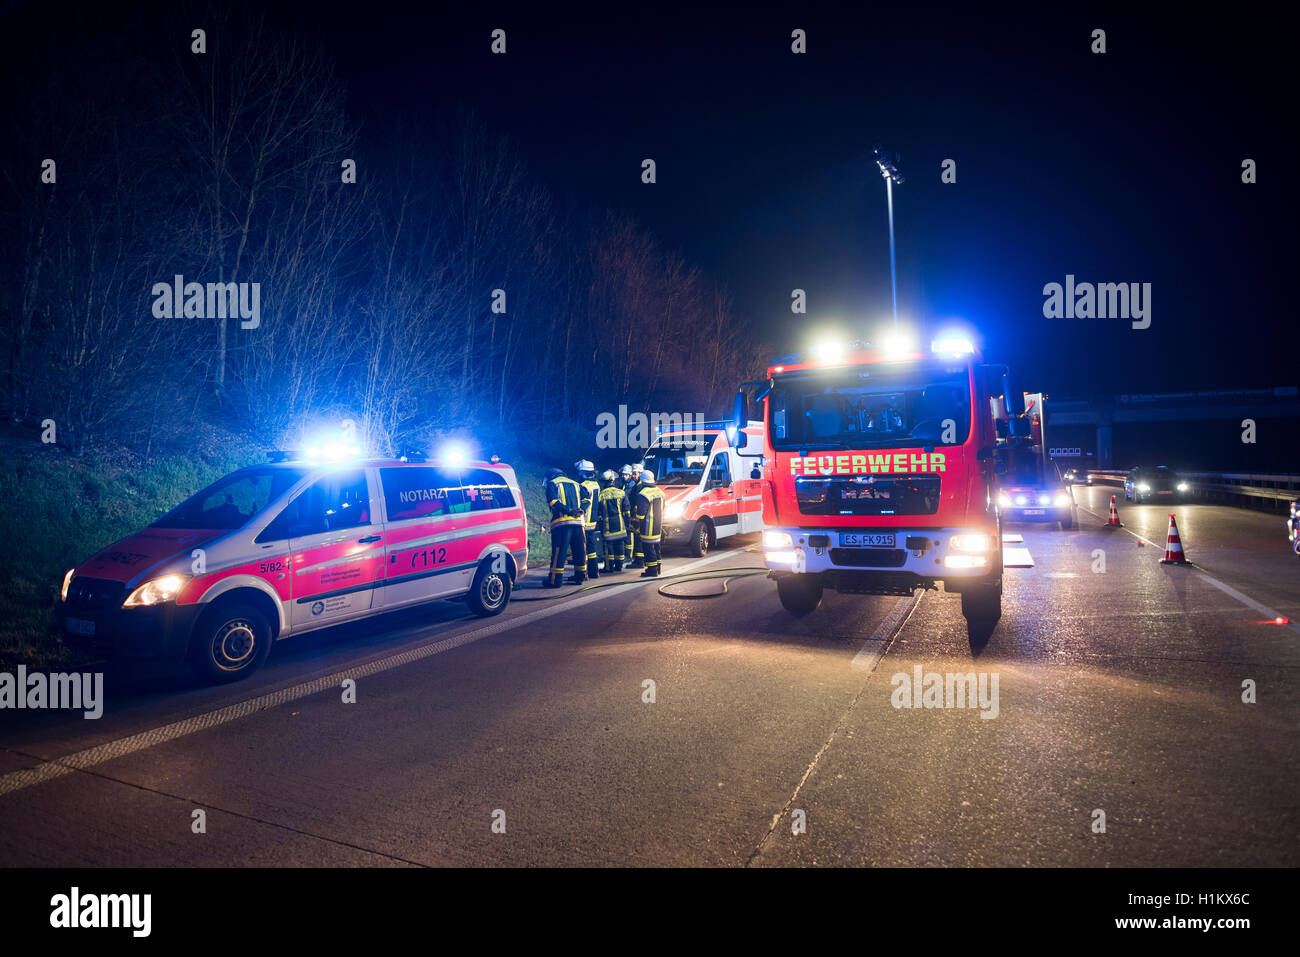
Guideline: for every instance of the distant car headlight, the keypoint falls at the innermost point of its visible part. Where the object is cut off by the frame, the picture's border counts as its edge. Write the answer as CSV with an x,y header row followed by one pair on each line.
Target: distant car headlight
x,y
1143,487
674,511
67,580
1183,486
971,542
1062,500
157,591
777,540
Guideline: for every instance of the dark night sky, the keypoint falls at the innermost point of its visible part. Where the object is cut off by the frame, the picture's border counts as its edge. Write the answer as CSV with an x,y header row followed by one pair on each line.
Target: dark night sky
x,y
1123,167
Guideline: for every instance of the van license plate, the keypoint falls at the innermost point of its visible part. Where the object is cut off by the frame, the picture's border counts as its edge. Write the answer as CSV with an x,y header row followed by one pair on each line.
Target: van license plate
x,y
1035,511
867,539
79,627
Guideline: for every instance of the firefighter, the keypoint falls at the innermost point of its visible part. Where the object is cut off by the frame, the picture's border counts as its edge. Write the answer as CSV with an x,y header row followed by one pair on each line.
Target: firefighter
x,y
592,514
565,499
616,524
648,514
634,537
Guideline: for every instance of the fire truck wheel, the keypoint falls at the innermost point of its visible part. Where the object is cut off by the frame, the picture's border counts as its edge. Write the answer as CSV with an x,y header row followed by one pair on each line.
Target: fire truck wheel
x,y
490,592
231,641
700,539
982,605
800,594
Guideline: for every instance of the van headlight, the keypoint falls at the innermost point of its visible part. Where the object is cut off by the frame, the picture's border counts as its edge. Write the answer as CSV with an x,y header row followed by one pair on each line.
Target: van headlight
x,y
674,511
156,592
67,580
777,540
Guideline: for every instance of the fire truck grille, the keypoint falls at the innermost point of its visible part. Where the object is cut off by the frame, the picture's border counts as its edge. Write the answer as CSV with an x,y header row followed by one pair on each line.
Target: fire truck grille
x,y
868,557
868,495
94,594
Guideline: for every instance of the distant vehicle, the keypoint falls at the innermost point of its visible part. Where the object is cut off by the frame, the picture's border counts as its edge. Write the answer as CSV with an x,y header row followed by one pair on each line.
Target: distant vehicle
x,y
1078,477
1159,484
1034,491
1293,528
709,493
292,546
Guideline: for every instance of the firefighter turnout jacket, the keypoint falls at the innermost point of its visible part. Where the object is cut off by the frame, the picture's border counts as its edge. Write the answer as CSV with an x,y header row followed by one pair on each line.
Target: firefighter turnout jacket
x,y
565,498
648,513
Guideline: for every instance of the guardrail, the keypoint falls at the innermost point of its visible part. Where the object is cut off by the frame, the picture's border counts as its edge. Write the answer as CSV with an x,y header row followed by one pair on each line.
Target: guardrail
x,y
1270,490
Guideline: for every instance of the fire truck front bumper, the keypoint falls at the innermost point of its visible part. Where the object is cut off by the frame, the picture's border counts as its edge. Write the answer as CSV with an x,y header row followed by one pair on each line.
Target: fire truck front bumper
x,y
880,561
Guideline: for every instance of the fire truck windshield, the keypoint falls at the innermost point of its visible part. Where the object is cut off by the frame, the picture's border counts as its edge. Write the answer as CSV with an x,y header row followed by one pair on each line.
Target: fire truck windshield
x,y
677,461
230,502
892,405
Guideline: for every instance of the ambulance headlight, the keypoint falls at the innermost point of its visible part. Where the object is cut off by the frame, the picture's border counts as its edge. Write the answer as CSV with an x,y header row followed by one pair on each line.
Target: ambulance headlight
x,y
777,540
157,591
1021,500
674,511
971,542
67,580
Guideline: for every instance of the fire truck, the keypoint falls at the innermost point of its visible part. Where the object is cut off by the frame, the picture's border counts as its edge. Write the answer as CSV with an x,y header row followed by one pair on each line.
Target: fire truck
x,y
880,472
709,490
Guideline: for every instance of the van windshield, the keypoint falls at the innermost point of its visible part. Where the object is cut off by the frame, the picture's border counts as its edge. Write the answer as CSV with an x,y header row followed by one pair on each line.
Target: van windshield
x,y
891,405
678,461
232,501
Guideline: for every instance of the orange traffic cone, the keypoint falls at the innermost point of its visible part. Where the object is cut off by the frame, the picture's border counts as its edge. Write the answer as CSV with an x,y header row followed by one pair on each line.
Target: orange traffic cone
x,y
1113,521
1173,547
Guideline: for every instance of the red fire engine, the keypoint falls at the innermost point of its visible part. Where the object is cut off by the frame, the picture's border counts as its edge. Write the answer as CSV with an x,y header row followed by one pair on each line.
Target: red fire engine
x,y
880,471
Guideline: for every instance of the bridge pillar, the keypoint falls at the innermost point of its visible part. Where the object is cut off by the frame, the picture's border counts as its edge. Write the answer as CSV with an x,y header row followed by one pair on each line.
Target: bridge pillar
x,y
1104,446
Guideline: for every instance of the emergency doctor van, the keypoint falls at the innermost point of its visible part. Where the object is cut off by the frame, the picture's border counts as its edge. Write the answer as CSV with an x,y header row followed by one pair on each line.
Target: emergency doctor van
x,y
292,546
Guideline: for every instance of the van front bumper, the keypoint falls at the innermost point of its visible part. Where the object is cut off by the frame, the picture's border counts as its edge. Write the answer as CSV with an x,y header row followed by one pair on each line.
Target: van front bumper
x,y
159,631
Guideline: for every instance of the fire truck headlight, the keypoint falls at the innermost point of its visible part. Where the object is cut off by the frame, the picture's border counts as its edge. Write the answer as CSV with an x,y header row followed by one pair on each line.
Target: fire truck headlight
x,y
674,511
964,561
156,592
1061,500
780,558
777,540
971,542
67,580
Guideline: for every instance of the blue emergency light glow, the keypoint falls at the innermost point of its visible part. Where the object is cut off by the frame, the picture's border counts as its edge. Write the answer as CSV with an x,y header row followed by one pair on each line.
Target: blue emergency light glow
x,y
334,450
453,454
952,345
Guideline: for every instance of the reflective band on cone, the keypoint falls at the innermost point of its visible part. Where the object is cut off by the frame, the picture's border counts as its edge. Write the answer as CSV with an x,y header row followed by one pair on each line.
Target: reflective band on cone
x,y
1174,547
1113,521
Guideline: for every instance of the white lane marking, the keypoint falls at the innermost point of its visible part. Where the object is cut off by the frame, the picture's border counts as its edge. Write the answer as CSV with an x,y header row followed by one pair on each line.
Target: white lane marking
x,y
871,650
1017,558
57,767
1225,588
1014,538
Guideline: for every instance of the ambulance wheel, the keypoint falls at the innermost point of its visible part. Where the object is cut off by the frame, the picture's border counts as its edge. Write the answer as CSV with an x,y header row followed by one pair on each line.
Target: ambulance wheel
x,y
800,594
490,592
231,641
699,545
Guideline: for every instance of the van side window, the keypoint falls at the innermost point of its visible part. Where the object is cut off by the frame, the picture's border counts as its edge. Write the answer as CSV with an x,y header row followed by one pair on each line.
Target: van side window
x,y
719,472
421,492
332,503
486,490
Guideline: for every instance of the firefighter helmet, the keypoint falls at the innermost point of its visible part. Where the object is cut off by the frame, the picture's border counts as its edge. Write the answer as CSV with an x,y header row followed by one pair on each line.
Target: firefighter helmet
x,y
609,475
647,477
585,468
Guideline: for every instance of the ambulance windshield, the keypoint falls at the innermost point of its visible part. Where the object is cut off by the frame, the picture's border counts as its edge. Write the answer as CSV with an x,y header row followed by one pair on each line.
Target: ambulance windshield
x,y
232,501
896,405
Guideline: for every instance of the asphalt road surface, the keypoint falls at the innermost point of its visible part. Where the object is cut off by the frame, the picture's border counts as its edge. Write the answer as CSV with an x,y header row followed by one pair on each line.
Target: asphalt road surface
x,y
1118,691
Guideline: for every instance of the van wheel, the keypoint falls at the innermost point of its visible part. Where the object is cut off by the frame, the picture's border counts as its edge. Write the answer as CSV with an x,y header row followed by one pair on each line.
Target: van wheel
x,y
490,592
800,594
230,642
700,540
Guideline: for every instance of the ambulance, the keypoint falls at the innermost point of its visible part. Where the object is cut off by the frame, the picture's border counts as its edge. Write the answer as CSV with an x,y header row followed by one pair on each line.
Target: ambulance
x,y
710,493
295,545
880,474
